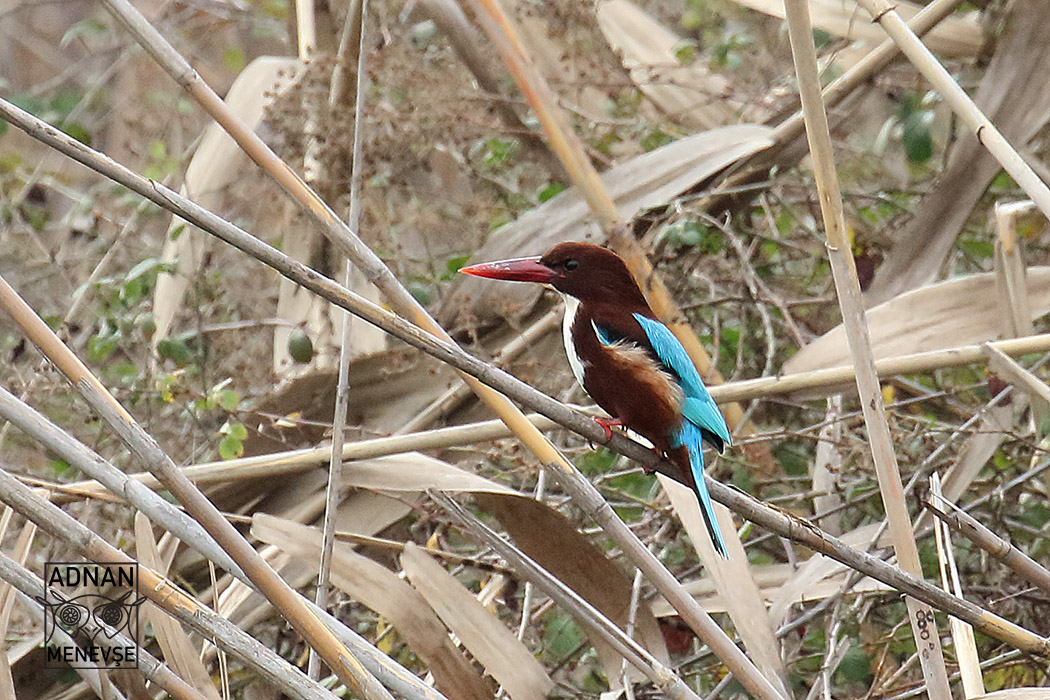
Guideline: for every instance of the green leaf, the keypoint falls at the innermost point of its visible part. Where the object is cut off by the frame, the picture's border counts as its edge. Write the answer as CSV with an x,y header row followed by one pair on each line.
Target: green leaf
x,y
144,267
60,467
300,347
175,349
918,143
234,59
549,191
420,290
102,345
83,29
561,636
229,400
453,264
855,666
654,139
684,51
977,248
230,447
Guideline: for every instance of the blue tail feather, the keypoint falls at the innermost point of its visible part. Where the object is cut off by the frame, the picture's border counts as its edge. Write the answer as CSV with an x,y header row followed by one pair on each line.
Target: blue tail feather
x,y
690,436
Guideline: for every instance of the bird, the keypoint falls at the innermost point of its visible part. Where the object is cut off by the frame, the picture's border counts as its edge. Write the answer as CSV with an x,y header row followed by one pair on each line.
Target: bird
x,y
626,359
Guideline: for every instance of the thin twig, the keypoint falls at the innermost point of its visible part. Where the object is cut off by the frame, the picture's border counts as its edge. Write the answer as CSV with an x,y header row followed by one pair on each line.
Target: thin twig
x,y
745,505
847,286
588,616
342,393
961,103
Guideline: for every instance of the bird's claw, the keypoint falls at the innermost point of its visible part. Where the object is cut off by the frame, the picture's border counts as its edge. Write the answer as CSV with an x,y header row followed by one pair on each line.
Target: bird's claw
x,y
607,425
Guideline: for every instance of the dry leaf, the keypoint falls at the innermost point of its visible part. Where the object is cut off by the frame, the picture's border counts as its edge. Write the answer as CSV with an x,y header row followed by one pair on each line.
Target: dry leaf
x,y
481,632
381,590
957,35
960,311
691,95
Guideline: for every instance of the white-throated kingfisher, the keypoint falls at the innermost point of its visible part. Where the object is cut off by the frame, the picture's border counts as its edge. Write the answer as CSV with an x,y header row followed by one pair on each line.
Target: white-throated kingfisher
x,y
629,362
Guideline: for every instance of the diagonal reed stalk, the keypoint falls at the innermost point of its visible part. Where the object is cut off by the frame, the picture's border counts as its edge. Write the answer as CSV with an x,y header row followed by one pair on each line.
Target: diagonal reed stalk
x,y
588,616
30,586
923,59
342,662
745,505
404,303
844,271
81,540
188,530
569,150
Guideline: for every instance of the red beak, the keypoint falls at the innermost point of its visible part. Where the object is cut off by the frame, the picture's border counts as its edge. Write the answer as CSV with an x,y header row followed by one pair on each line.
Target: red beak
x,y
518,270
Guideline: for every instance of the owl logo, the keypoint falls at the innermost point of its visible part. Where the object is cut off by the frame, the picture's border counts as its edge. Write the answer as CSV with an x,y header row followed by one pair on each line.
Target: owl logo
x,y
112,616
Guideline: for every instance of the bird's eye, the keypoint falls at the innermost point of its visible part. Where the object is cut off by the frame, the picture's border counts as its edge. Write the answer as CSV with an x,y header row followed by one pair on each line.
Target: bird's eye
x,y
572,264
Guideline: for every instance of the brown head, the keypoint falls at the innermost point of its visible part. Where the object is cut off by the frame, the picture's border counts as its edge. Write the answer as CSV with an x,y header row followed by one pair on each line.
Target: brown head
x,y
582,270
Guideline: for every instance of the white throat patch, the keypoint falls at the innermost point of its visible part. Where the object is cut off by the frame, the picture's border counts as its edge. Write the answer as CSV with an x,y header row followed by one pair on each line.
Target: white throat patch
x,y
572,305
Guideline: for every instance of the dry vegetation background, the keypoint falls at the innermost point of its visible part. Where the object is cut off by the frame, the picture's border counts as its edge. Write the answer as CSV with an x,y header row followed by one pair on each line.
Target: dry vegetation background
x,y
677,103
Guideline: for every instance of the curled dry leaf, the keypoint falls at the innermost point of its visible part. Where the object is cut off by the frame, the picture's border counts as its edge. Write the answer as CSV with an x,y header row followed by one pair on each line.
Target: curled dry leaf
x,y
381,590
480,631
691,95
956,36
960,311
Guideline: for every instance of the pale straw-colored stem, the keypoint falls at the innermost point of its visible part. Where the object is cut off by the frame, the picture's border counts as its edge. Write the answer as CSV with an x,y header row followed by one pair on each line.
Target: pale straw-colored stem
x,y
273,587
844,271
580,423
342,393
923,59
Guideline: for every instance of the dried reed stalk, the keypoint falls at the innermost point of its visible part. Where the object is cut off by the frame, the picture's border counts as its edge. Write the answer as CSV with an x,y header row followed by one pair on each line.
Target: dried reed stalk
x,y
745,505
844,271
273,587
923,59
74,534
398,297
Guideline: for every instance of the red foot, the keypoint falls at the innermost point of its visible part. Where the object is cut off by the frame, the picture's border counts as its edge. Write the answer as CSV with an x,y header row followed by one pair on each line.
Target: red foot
x,y
607,425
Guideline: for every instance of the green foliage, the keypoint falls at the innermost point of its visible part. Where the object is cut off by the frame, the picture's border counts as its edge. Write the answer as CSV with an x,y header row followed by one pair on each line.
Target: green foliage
x,y
300,347
855,666
692,233
549,191
499,152
561,635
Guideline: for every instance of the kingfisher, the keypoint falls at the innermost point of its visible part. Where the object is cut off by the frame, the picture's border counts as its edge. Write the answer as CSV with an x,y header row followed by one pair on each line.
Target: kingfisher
x,y
629,362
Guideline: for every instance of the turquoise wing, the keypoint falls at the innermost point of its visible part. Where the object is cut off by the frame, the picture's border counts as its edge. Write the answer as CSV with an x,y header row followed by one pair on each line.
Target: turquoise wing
x,y
698,407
